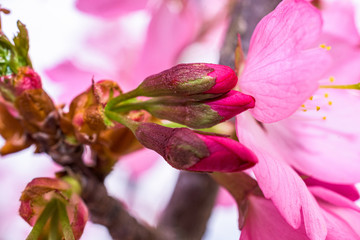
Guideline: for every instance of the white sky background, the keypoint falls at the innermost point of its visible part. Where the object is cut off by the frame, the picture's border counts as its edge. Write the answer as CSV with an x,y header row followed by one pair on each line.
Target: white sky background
x,y
56,29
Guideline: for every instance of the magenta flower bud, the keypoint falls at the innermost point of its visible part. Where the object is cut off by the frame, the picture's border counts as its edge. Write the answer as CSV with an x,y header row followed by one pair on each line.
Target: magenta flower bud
x,y
189,79
201,114
184,149
231,104
25,79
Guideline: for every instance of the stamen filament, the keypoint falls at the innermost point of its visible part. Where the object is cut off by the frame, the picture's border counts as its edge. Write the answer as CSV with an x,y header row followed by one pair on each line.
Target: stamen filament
x,y
351,86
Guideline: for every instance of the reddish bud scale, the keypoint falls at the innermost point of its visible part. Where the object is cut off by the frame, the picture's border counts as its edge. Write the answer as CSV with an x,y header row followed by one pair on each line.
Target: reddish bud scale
x,y
189,79
187,150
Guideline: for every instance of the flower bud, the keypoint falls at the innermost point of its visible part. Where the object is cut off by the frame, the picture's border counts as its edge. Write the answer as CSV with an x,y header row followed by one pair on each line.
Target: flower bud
x,y
26,78
184,149
202,114
40,191
189,79
34,105
86,110
12,131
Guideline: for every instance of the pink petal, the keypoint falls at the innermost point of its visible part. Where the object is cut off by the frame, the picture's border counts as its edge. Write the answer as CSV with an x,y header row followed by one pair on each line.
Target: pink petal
x,y
224,198
263,222
279,182
139,162
321,143
339,20
168,33
343,223
279,72
349,216
348,191
73,79
225,155
110,8
333,198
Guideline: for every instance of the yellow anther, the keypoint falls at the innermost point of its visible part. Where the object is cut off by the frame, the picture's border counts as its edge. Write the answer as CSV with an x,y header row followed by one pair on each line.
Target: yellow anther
x,y
311,98
304,110
330,103
326,95
324,118
331,79
325,47
317,108
303,105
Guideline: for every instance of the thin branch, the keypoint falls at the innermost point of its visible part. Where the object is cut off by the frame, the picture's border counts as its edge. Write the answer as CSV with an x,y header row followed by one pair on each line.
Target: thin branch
x,y
190,206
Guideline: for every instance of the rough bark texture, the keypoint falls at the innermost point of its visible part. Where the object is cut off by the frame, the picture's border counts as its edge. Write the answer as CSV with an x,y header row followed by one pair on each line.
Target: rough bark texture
x,y
190,206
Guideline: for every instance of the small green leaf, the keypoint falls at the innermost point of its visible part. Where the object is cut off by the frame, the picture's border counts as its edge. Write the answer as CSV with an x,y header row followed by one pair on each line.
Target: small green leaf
x,y
21,41
40,223
54,233
64,221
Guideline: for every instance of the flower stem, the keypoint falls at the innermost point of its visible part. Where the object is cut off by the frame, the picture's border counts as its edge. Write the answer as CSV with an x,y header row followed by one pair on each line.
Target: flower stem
x,y
132,94
132,125
64,221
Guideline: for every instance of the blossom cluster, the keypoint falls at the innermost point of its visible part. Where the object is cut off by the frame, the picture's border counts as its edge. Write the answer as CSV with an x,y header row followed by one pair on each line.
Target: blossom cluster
x,y
290,162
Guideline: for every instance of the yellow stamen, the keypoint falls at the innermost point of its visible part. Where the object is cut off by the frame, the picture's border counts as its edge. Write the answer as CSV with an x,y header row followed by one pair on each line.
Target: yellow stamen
x,y
330,103
326,95
325,47
303,105
311,98
304,110
331,79
317,108
324,118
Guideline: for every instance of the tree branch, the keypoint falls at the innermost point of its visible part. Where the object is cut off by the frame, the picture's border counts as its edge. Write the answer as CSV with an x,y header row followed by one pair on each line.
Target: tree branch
x,y
246,14
190,206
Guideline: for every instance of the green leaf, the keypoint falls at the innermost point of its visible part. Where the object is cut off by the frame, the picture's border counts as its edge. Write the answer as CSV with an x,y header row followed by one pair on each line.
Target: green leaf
x,y
21,41
40,223
64,221
54,233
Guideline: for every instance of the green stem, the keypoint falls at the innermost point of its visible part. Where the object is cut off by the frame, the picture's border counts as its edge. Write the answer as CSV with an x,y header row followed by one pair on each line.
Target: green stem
x,y
54,233
121,98
131,106
64,221
40,223
132,125
351,86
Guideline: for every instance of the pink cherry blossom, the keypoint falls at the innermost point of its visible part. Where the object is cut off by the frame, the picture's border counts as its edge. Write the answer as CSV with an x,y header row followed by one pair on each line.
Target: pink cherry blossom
x,y
339,20
279,182
281,71
263,213
326,125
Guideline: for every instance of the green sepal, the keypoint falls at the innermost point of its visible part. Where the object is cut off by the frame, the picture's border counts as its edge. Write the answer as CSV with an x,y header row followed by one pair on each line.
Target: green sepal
x,y
21,42
42,220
